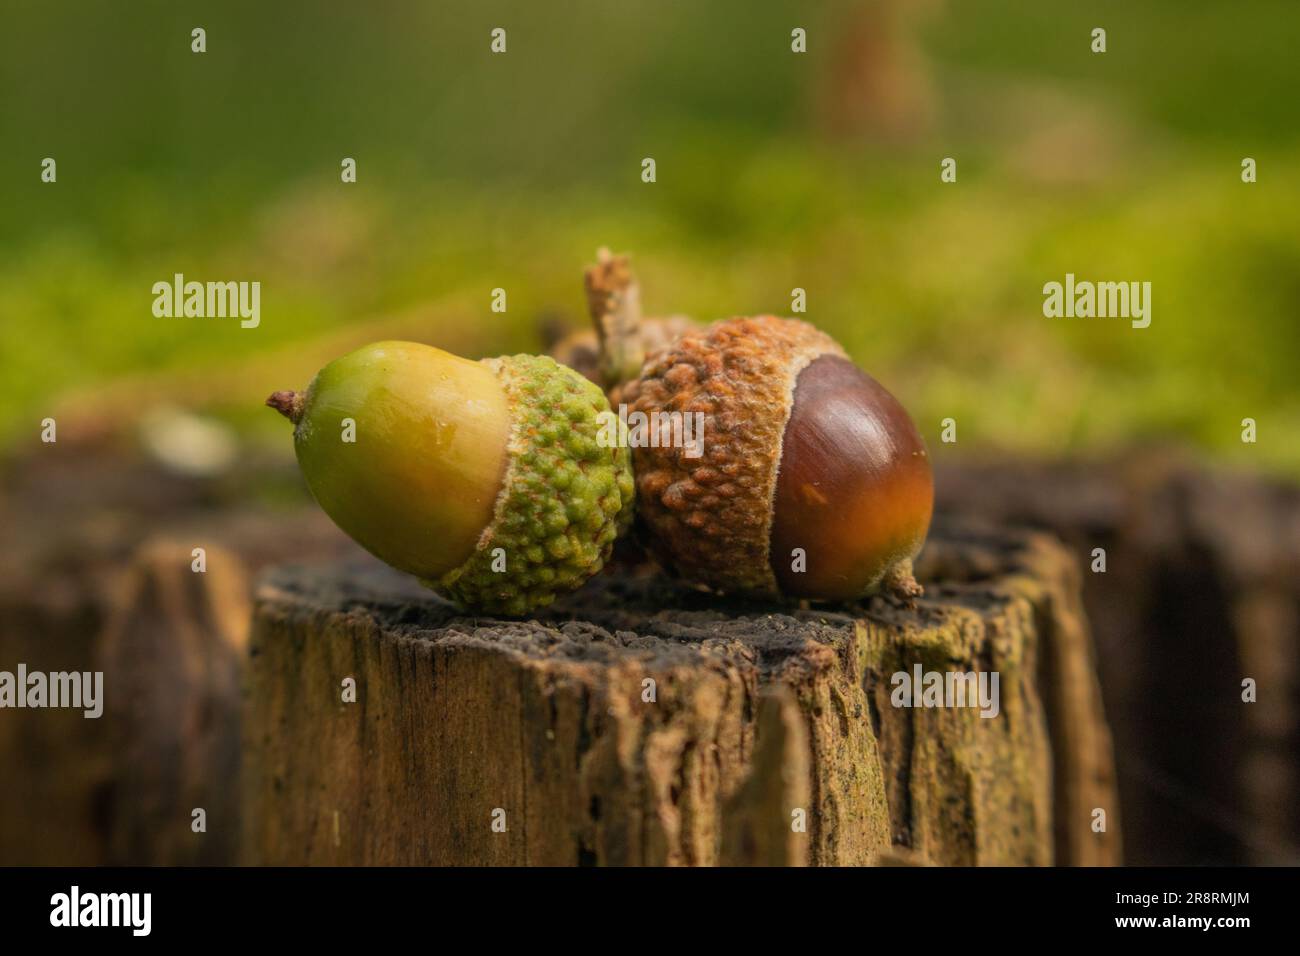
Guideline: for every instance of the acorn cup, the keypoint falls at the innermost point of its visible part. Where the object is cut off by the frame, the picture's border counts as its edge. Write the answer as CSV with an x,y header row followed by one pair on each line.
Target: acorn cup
x,y
486,480
811,480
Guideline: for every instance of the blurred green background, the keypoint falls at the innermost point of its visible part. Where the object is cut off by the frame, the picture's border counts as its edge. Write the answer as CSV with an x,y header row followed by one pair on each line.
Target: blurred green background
x,y
775,170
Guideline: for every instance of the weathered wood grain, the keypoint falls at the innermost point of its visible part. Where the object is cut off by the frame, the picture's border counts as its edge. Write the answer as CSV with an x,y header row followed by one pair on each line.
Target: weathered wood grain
x,y
757,718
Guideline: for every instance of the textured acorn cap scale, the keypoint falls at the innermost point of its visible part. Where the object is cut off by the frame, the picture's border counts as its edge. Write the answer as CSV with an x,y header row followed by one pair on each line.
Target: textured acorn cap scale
x,y
484,479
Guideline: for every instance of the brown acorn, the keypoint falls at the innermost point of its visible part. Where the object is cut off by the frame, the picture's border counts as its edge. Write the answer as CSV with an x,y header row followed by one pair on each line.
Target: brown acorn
x,y
811,480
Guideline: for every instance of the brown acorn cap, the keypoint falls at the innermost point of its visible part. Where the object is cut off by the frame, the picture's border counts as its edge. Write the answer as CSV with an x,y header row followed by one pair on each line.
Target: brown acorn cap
x,y
712,515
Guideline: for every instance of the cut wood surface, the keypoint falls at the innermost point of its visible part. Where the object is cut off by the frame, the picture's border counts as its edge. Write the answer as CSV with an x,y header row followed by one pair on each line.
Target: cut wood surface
x,y
638,722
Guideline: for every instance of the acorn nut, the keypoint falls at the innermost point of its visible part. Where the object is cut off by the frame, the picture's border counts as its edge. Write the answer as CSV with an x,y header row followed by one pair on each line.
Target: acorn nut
x,y
487,480
813,482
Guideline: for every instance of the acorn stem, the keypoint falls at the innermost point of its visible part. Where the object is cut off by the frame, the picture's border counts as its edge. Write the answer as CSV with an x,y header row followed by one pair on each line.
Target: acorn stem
x,y
901,585
614,301
288,404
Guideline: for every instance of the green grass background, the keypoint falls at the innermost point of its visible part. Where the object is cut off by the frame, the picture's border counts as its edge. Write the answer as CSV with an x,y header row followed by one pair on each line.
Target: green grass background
x,y
478,171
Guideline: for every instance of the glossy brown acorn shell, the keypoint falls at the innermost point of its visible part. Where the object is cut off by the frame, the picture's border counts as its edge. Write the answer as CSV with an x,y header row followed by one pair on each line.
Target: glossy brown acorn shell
x,y
725,519
855,488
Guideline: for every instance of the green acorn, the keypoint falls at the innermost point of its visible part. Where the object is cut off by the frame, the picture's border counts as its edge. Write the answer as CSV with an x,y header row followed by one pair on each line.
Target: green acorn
x,y
488,480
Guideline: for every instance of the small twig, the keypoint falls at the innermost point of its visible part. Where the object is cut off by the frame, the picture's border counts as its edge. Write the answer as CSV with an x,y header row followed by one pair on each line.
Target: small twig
x,y
614,300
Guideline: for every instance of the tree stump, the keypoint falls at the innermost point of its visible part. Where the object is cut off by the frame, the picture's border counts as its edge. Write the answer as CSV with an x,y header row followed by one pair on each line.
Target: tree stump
x,y
97,576
1201,590
639,722
173,650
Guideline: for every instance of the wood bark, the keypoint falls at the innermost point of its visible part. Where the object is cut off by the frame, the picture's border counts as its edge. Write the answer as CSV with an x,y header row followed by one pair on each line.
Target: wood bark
x,y
638,722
